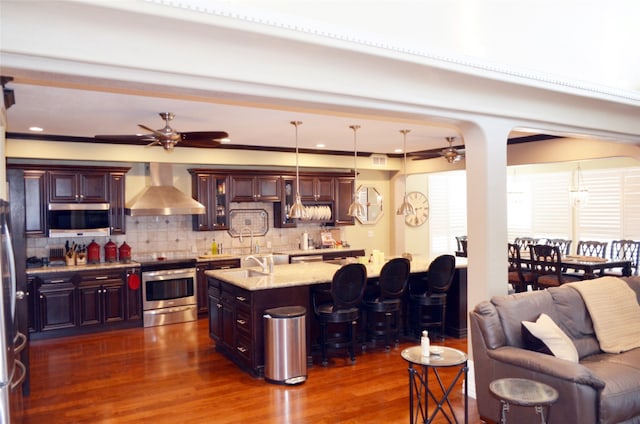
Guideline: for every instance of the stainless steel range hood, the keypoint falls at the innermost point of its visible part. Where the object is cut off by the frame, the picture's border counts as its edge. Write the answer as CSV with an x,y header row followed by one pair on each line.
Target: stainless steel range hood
x,y
161,197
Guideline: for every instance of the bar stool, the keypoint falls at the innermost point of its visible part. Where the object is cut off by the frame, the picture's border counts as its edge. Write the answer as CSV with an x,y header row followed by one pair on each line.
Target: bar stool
x,y
387,300
343,308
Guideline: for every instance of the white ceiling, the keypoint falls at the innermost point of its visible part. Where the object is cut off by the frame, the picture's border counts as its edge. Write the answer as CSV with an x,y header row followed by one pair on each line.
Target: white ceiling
x,y
571,44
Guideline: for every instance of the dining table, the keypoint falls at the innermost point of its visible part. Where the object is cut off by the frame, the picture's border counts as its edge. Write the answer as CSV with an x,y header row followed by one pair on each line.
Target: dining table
x,y
594,266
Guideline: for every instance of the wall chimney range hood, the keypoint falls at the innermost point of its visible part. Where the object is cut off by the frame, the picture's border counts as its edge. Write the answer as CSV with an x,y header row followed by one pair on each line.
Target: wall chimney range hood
x,y
161,197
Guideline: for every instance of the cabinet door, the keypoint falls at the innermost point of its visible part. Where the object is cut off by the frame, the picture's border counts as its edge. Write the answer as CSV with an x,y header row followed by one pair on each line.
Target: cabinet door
x,y
307,189
117,198
35,199
324,189
90,310
56,306
93,187
215,313
242,188
201,191
113,302
227,319
343,198
267,189
62,186
202,289
134,295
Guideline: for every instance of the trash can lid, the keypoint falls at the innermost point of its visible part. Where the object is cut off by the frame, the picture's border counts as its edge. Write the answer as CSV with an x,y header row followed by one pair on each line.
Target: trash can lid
x,y
286,311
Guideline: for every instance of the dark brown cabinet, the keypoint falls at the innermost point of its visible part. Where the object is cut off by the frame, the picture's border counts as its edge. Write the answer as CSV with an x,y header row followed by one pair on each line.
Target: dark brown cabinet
x,y
35,199
235,319
70,303
316,189
102,298
82,186
117,203
343,199
202,292
253,188
56,299
46,184
211,191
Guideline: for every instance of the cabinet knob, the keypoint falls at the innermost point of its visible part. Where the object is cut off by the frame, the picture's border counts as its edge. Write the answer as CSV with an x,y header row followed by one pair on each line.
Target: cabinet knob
x,y
241,321
19,295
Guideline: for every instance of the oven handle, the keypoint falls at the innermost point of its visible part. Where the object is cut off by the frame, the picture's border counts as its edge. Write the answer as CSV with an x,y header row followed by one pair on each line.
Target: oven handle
x,y
168,310
169,274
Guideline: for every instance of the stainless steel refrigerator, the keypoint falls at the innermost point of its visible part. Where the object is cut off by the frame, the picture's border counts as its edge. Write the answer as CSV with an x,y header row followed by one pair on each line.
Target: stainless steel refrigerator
x,y
12,342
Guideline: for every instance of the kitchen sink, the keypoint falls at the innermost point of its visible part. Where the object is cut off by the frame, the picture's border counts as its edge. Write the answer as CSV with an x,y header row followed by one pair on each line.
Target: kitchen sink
x,y
244,273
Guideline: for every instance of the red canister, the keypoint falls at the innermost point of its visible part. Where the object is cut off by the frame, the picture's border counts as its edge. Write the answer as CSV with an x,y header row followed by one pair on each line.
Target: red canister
x,y
110,252
93,253
124,252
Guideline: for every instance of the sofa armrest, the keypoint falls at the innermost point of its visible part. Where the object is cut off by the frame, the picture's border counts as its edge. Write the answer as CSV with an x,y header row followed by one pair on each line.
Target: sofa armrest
x,y
546,364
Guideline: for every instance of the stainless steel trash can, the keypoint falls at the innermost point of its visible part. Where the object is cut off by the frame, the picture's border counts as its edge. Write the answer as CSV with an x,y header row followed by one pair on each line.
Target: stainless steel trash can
x,y
285,345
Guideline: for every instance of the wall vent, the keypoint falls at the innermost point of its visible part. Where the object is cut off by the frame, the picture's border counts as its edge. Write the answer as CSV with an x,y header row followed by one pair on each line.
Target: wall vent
x,y
379,160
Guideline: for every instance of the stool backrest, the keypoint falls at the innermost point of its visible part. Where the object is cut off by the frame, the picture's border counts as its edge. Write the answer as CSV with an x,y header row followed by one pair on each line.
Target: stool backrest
x,y
347,286
440,274
393,278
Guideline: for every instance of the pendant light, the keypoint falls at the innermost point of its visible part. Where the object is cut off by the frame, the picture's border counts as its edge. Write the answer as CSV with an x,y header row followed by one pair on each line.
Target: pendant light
x,y
579,194
406,208
297,210
355,208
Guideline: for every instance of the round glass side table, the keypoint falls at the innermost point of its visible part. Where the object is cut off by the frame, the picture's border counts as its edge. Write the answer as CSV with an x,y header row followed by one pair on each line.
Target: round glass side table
x,y
419,382
523,392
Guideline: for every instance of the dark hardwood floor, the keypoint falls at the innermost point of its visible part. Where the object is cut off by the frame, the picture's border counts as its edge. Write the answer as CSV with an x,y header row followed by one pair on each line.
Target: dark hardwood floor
x,y
172,374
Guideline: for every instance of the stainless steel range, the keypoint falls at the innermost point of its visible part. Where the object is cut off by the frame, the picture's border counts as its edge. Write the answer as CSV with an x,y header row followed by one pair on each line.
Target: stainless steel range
x,y
169,292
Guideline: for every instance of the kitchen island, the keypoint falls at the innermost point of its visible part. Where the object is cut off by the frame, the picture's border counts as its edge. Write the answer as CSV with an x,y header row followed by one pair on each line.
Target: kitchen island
x,y
239,297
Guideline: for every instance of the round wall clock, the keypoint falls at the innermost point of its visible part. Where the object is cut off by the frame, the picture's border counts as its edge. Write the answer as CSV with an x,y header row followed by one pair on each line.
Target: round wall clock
x,y
421,205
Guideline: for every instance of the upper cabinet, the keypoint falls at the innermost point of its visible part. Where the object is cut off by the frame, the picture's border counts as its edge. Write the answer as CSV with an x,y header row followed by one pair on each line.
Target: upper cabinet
x,y
211,191
316,188
255,188
44,184
78,186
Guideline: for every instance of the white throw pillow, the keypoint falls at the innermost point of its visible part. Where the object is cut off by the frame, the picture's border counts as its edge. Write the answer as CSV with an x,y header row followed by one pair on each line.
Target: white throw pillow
x,y
553,337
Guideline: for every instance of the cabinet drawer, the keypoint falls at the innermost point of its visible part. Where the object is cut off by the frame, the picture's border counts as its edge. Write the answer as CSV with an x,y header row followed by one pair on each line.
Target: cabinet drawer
x,y
243,349
243,322
214,292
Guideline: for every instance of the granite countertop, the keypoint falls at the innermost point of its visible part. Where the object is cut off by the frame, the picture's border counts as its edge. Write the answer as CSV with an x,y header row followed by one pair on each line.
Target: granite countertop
x,y
300,252
301,274
75,268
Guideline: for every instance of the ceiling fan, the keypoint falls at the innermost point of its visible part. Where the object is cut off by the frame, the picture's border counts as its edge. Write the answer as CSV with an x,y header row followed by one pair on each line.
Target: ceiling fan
x,y
167,137
451,154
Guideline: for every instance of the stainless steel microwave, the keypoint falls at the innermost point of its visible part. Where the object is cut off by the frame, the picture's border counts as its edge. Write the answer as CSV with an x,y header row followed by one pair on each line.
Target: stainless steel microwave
x,y
78,219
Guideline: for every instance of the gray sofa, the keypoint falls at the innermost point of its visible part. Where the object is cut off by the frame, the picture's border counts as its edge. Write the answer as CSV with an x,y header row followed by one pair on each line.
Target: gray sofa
x,y
602,388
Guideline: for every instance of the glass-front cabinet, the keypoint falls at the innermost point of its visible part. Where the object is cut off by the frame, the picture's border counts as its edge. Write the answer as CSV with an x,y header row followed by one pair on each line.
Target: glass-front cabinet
x,y
211,191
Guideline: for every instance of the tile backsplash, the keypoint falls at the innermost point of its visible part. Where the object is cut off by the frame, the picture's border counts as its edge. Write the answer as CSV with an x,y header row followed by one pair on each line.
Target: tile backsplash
x,y
174,238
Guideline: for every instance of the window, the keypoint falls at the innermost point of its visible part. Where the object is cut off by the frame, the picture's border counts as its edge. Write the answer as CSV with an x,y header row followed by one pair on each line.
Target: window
x,y
447,211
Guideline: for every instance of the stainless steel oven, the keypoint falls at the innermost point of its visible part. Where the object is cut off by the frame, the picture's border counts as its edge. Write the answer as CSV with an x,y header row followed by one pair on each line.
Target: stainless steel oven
x,y
169,292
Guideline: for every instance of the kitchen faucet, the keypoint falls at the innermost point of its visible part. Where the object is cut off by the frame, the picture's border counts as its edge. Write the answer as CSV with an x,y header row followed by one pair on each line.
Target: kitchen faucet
x,y
267,265
250,235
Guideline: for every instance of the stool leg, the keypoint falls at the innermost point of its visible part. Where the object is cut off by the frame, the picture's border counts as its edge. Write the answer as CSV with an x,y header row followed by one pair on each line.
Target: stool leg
x,y
323,342
387,330
503,411
352,333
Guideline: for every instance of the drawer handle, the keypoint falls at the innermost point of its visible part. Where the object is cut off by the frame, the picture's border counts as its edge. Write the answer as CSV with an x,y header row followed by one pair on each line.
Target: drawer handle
x,y
240,298
103,277
56,281
218,305
242,349
241,321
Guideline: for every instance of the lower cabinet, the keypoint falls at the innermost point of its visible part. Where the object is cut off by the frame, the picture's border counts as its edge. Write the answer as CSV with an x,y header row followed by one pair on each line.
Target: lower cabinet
x,y
202,290
69,303
236,320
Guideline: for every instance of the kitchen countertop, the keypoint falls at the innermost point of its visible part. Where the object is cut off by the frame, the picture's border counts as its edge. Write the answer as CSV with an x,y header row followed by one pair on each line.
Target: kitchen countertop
x,y
74,268
300,252
301,274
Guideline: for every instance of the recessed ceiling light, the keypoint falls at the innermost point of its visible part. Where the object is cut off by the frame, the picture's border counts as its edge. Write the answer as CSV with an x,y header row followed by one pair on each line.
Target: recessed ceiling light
x,y
398,150
320,146
36,129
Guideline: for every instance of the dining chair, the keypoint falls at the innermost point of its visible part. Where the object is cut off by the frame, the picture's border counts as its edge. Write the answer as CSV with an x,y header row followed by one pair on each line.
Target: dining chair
x,y
547,267
563,244
625,250
385,301
592,248
525,242
428,296
519,275
340,305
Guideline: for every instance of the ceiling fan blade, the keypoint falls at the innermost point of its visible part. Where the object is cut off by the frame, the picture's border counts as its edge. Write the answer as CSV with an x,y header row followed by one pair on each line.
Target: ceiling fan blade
x,y
125,139
201,139
155,132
